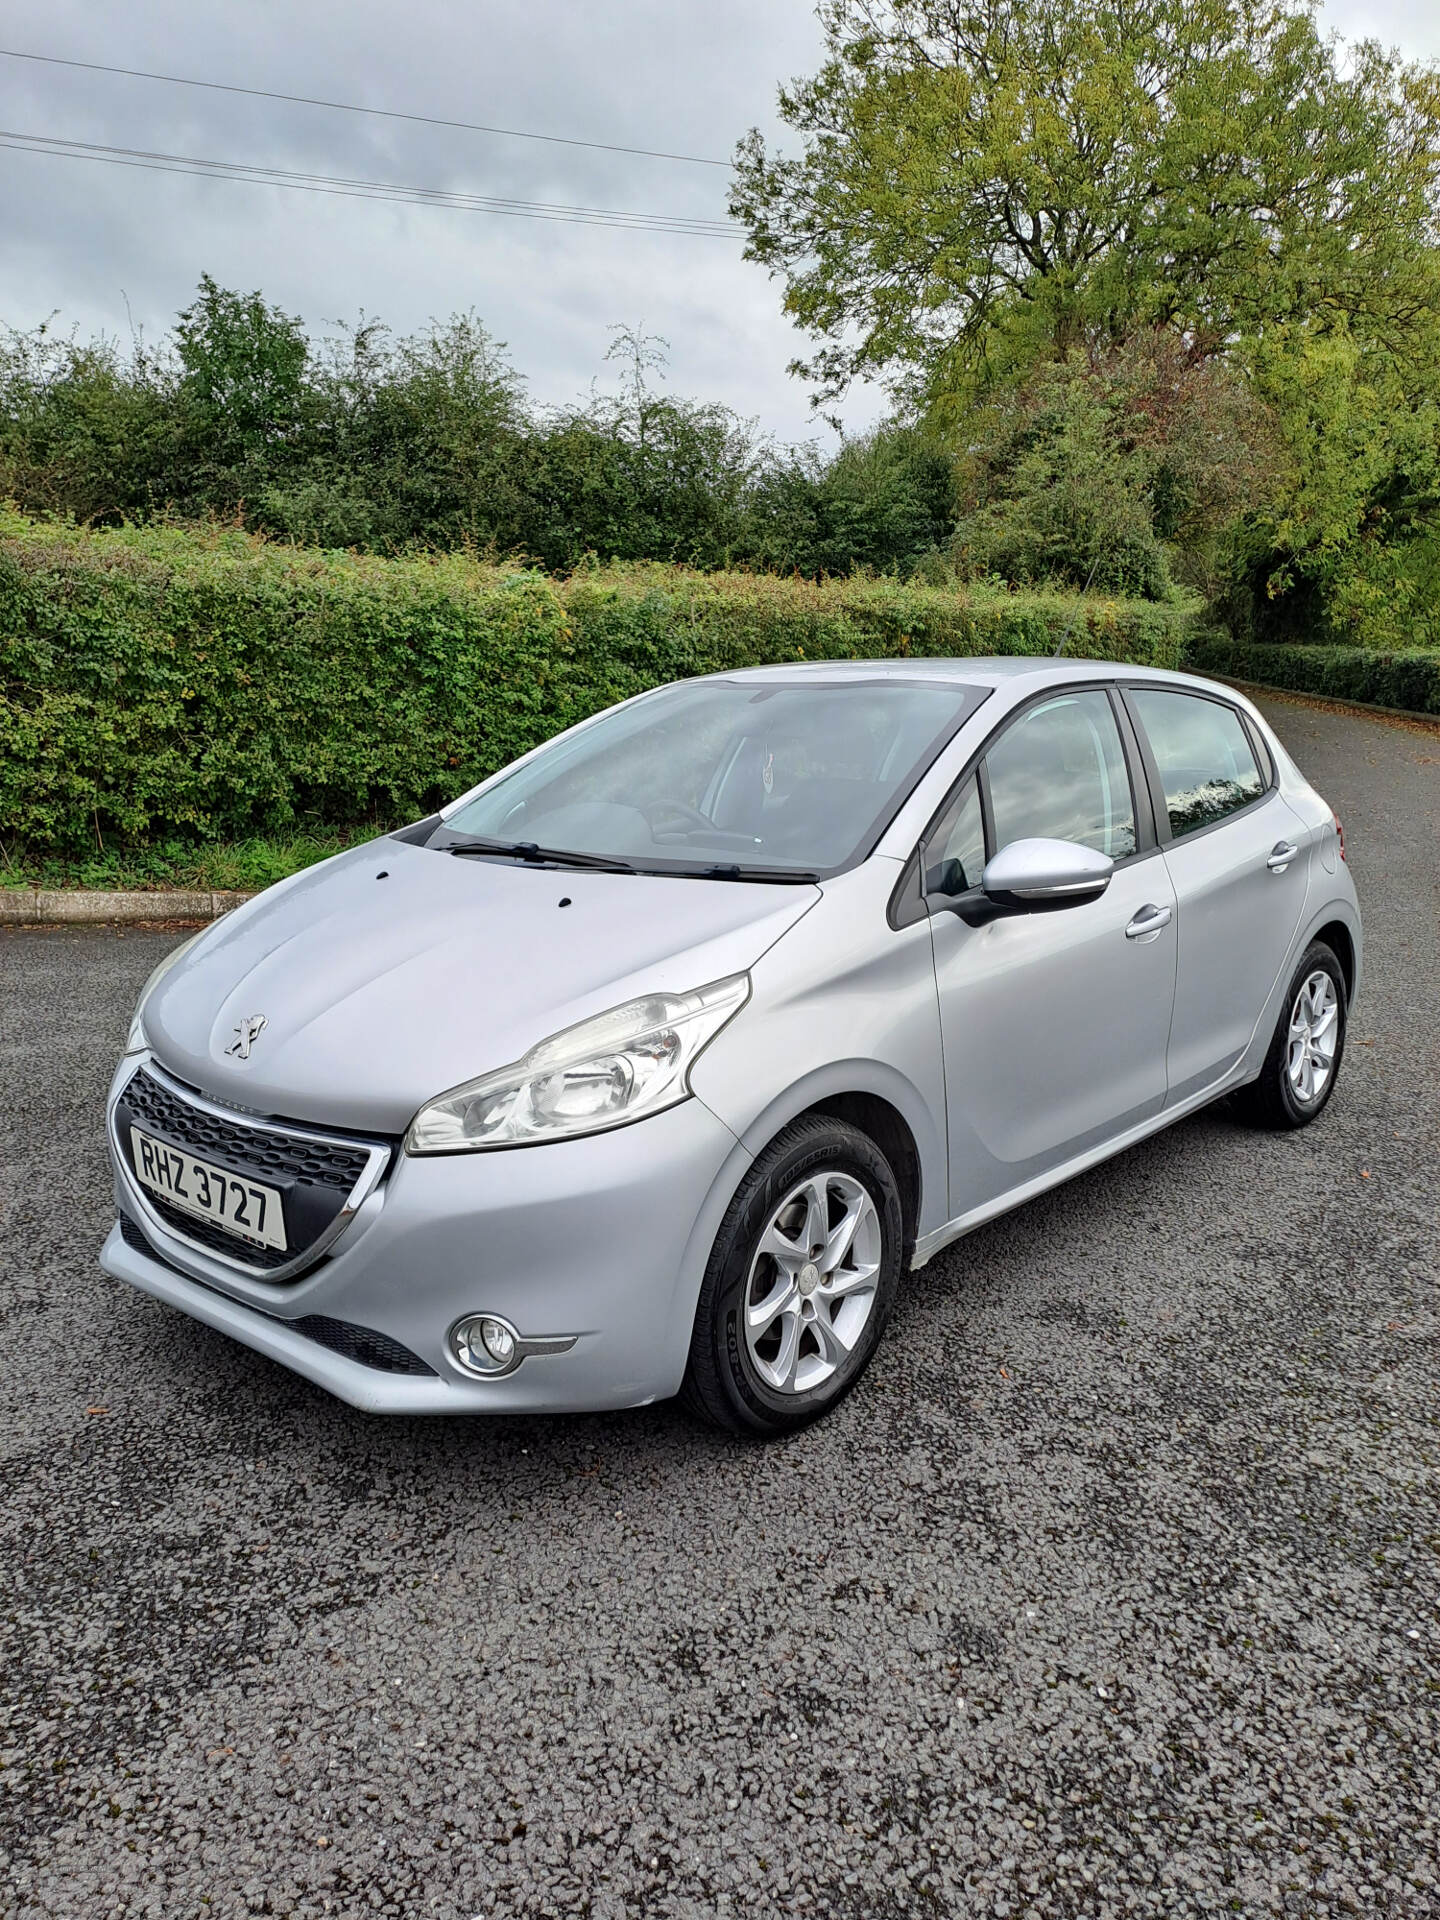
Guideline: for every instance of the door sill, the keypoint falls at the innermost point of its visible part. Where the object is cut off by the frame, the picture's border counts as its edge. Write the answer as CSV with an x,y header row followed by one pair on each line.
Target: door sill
x,y
929,1244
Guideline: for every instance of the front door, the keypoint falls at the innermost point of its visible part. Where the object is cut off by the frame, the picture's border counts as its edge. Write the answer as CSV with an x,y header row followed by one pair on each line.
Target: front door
x,y
1239,899
1054,1023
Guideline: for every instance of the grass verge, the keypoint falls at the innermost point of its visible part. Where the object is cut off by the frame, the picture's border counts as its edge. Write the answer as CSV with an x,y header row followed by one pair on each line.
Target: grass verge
x,y
232,865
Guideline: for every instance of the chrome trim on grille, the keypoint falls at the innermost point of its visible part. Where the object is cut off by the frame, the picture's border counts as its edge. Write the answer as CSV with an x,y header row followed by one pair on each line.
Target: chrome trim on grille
x,y
184,1251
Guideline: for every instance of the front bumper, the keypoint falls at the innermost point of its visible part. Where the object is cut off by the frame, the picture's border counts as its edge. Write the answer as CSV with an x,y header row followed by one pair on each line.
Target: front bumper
x,y
604,1238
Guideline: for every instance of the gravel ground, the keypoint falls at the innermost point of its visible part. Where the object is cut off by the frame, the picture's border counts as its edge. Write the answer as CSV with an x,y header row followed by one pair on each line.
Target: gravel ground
x,y
1113,1591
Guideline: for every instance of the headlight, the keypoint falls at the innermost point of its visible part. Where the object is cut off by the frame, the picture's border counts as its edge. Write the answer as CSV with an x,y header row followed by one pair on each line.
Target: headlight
x,y
619,1066
135,1041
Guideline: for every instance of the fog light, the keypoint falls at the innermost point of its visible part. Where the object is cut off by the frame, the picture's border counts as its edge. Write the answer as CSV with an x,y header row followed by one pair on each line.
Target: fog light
x,y
484,1343
498,1341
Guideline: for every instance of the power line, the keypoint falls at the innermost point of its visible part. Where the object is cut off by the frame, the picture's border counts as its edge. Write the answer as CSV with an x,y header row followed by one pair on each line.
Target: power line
x,y
392,192
346,106
384,191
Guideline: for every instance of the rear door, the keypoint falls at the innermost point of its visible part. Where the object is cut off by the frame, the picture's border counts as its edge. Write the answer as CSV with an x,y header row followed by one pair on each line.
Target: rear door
x,y
1054,1023
1237,857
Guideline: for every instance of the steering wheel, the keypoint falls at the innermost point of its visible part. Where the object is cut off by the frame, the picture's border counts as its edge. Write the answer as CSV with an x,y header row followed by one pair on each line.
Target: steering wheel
x,y
663,816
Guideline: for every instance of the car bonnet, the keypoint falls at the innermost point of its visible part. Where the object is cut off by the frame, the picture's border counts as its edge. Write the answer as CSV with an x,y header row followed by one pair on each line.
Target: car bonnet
x,y
354,992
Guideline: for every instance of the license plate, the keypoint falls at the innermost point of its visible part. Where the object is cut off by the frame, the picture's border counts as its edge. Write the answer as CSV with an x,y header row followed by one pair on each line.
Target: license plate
x,y
243,1207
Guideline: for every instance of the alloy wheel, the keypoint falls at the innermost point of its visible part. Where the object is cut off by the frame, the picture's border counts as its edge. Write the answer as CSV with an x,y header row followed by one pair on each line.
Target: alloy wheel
x,y
812,1284
1313,1037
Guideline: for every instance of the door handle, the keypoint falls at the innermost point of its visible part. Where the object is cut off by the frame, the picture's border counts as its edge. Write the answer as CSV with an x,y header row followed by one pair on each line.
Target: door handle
x,y
1148,922
1281,854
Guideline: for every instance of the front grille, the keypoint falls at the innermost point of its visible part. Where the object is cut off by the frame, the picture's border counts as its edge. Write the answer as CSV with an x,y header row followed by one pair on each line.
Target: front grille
x,y
295,1156
314,1176
361,1344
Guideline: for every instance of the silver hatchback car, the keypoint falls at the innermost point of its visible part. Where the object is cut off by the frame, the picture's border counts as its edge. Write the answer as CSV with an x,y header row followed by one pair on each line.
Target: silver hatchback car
x,y
654,1062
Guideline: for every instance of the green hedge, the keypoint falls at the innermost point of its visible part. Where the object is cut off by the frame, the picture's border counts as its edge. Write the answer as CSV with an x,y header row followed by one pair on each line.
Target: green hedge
x,y
1408,680
156,683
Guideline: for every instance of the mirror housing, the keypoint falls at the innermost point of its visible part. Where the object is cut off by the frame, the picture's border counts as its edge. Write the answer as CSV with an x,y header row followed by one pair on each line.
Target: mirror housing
x,y
1030,876
1047,872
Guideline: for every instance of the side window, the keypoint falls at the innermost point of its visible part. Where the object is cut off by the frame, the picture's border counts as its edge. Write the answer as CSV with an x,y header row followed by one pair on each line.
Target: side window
x,y
1207,766
1059,773
955,851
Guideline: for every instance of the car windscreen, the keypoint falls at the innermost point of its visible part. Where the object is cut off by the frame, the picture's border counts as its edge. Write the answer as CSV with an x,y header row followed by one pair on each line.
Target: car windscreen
x,y
712,775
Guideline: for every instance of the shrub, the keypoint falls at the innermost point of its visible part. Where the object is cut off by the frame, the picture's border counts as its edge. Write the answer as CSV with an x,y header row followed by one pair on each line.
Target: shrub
x,y
428,441
1109,465
1053,497
886,501
156,683
1409,680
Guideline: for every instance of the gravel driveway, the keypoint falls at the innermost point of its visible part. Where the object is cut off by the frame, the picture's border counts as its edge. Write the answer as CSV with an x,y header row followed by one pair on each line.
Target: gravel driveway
x,y
1113,1591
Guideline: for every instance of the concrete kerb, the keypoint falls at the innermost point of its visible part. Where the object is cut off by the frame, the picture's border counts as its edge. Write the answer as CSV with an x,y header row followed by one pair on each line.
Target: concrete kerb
x,y
35,906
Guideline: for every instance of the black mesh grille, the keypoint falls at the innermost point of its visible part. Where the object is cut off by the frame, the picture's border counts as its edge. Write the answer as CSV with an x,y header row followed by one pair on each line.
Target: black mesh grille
x,y
133,1237
314,1177
371,1349
361,1344
297,1156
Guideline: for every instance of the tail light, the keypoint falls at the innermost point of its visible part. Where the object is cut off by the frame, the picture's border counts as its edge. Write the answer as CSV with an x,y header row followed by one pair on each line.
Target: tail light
x,y
1339,831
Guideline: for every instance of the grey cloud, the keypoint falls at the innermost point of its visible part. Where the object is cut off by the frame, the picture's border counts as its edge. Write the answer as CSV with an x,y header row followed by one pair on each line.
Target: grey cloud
x,y
87,238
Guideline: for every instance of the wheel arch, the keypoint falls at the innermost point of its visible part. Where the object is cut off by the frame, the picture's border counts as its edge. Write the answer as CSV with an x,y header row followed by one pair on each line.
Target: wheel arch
x,y
1338,937
1338,924
887,1108
883,1123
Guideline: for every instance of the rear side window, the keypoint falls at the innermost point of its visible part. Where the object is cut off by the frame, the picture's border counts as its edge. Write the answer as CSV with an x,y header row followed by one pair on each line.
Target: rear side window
x,y
1207,766
1059,773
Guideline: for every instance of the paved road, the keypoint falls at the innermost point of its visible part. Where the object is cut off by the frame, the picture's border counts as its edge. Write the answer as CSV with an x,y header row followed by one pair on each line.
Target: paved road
x,y
1114,1591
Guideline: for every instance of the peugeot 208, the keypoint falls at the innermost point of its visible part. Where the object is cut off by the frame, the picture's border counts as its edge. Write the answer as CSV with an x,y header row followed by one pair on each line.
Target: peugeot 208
x,y
653,1063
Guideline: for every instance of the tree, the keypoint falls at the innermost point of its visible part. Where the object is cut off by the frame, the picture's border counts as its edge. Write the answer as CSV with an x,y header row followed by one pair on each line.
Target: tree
x,y
985,183
83,430
1116,467
638,474
242,387
1350,549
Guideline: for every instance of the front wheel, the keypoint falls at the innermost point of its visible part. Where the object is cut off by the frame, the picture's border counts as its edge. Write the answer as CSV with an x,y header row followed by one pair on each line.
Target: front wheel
x,y
800,1282
1308,1044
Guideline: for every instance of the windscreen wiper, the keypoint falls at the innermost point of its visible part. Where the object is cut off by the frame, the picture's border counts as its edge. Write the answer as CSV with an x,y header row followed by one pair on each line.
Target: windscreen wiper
x,y
788,876
536,855
540,856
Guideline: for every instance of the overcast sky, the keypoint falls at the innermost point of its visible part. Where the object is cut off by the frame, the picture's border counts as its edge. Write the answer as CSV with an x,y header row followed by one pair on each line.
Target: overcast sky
x,y
685,76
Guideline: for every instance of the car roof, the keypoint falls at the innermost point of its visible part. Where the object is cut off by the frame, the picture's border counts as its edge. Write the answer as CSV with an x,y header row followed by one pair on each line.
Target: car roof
x,y
979,670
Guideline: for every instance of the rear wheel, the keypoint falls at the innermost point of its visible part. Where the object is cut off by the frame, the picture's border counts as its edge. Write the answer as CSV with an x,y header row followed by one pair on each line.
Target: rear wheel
x,y
1306,1049
800,1282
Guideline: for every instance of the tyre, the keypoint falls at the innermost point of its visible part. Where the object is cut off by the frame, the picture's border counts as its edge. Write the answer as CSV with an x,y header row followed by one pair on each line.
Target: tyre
x,y
800,1282
1303,1062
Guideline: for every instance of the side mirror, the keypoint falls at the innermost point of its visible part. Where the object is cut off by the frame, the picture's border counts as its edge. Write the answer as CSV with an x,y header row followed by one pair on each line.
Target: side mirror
x,y
1047,873
1031,876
